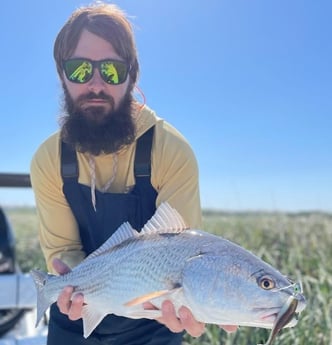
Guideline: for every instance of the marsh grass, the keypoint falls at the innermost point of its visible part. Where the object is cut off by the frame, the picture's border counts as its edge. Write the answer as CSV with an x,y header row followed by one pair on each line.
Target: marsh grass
x,y
299,245
25,225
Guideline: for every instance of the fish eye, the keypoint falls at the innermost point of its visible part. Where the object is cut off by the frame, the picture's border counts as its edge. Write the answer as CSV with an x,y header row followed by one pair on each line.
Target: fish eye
x,y
266,283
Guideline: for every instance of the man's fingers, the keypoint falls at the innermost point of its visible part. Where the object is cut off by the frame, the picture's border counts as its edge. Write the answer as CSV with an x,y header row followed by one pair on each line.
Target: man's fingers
x,y
64,302
70,305
193,327
75,311
67,303
60,267
169,317
185,321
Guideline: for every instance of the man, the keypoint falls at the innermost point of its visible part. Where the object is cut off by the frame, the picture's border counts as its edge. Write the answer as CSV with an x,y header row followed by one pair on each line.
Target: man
x,y
112,161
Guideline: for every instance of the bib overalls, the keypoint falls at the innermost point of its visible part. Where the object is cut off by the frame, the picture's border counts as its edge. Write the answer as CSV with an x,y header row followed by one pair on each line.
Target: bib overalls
x,y
136,207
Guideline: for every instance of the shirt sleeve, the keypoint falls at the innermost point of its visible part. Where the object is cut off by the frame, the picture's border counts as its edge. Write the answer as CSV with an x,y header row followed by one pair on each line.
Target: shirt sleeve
x,y
175,174
58,231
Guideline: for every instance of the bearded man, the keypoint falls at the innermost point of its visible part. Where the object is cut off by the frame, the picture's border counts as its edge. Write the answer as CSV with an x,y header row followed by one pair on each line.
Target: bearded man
x,y
113,160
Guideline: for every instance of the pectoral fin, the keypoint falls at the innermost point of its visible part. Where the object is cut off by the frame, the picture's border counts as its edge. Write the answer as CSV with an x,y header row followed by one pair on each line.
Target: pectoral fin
x,y
146,298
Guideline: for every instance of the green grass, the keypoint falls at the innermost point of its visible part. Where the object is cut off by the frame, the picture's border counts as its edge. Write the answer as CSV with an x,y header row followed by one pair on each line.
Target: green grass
x,y
25,225
299,245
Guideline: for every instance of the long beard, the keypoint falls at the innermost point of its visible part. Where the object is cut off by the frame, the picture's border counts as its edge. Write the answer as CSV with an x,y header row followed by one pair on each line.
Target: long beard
x,y
94,130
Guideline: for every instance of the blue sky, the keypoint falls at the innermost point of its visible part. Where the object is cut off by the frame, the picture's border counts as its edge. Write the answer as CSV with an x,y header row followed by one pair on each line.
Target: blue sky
x,y
248,82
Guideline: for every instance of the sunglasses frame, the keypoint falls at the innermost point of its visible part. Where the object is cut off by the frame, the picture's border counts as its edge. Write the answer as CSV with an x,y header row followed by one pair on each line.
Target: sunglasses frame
x,y
96,64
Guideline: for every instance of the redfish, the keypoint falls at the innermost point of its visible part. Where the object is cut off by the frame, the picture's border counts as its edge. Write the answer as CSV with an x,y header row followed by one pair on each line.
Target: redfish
x,y
219,281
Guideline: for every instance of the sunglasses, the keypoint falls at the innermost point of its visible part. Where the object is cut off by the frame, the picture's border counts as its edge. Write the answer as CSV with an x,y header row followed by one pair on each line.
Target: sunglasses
x,y
81,70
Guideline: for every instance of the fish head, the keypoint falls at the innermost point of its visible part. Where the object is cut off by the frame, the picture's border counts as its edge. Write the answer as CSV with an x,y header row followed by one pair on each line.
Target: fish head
x,y
270,296
245,290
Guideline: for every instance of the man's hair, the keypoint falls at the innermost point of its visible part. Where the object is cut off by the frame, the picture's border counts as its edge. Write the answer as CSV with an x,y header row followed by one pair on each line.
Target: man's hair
x,y
106,21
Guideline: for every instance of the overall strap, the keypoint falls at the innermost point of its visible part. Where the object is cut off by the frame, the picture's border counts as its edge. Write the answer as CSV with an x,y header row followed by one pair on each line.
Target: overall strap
x,y
143,188
69,165
75,197
142,165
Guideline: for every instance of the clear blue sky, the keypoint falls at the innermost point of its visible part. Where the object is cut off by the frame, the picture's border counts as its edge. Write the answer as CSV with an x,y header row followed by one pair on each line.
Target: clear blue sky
x,y
248,83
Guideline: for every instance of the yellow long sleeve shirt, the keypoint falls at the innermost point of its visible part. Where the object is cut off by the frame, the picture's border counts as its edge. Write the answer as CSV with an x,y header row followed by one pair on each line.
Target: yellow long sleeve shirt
x,y
174,175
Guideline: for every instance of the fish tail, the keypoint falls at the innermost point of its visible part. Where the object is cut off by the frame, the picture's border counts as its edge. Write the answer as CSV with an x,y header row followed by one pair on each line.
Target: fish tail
x,y
43,303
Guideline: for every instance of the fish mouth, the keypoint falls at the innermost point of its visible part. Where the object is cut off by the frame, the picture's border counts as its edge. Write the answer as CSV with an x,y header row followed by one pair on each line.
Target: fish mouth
x,y
276,318
270,317
294,305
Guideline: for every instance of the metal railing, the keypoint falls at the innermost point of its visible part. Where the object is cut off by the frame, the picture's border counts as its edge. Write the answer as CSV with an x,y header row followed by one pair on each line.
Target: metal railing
x,y
14,180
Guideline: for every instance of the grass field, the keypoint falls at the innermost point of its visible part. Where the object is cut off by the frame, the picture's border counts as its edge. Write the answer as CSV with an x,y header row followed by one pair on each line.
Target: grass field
x,y
299,245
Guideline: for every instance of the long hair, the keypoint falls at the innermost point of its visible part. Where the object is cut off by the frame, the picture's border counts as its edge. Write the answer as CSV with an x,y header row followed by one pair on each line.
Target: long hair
x,y
106,21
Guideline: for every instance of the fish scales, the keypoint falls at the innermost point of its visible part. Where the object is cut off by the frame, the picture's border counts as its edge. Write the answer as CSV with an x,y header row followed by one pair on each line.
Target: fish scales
x,y
219,281
141,273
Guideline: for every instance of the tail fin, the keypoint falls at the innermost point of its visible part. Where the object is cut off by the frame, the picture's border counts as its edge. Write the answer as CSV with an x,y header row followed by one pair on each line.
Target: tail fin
x,y
43,303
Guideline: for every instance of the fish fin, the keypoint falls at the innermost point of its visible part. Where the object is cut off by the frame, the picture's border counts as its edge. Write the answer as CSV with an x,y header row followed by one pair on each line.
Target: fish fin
x,y
40,278
91,319
146,298
165,220
124,232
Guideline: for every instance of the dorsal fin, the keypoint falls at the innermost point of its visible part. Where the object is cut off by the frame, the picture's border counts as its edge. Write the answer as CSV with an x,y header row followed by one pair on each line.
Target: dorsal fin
x,y
124,232
165,220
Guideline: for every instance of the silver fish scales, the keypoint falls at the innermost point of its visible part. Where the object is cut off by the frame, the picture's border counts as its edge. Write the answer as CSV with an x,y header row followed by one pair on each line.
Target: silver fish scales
x,y
218,280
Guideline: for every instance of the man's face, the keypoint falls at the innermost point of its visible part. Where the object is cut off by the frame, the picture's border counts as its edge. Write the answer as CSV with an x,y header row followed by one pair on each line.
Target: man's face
x,y
95,48
98,116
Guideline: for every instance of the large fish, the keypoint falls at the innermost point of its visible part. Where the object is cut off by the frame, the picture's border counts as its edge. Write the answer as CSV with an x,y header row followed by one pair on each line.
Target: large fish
x,y
219,281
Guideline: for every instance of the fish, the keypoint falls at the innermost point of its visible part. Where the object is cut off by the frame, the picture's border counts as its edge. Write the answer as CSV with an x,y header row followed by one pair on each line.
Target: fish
x,y
218,280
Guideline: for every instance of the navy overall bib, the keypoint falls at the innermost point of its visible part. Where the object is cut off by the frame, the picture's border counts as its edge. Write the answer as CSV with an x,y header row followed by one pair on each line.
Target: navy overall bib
x,y
136,207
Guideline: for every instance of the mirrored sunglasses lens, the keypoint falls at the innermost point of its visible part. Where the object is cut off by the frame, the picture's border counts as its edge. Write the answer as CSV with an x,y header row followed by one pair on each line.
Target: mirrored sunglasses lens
x,y
78,71
113,72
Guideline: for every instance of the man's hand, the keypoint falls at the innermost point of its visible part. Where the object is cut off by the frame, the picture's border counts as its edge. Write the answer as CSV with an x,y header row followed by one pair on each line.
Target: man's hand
x,y
185,321
68,304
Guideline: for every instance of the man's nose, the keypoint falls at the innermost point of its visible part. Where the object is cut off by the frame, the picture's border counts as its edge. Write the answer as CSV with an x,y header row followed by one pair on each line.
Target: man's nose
x,y
96,83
